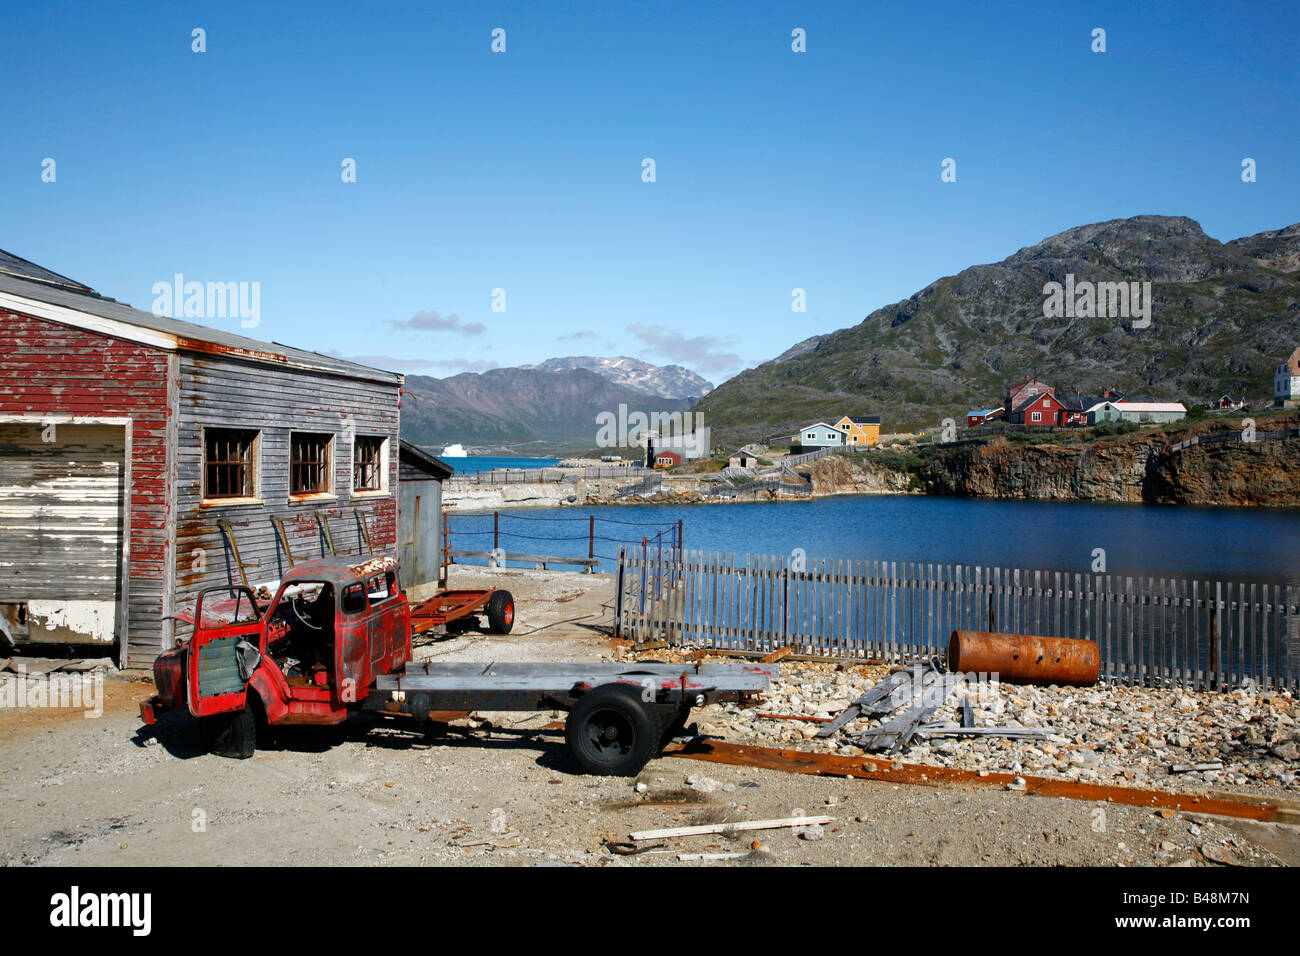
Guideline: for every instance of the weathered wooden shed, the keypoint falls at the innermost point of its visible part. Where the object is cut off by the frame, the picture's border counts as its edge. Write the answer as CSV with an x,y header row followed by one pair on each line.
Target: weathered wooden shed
x,y
143,458
419,518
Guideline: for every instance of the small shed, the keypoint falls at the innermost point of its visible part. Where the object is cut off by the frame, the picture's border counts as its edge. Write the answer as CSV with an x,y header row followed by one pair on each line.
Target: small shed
x,y
419,519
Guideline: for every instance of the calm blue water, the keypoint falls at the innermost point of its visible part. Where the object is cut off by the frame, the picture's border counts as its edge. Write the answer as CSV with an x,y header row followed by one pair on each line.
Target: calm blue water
x,y
473,463
1237,543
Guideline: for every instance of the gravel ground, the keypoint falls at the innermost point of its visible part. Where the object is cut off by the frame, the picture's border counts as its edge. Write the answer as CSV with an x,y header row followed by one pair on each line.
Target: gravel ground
x,y
77,791
1124,736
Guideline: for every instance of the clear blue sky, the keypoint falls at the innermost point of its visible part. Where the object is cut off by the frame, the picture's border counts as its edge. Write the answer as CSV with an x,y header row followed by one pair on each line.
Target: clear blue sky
x,y
522,170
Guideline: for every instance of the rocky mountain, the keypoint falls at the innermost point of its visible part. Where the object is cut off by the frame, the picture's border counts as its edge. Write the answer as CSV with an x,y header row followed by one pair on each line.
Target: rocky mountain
x,y
1222,316
518,411
670,381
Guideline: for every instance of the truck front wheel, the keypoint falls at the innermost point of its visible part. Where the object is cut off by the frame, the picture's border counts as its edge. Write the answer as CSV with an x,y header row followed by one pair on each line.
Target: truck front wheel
x,y
230,735
611,732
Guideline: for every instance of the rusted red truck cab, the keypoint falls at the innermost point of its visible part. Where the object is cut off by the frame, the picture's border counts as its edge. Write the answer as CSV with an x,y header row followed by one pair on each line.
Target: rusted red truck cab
x,y
308,656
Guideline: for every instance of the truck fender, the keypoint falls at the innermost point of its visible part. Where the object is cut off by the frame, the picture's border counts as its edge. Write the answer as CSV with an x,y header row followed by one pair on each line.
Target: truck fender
x,y
272,689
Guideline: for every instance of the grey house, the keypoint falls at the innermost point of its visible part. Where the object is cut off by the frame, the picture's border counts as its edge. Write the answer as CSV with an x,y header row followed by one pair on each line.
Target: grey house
x,y
819,435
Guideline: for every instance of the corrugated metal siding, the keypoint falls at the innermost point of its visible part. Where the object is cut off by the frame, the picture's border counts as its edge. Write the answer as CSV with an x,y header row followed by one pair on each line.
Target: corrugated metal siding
x,y
50,369
224,392
420,535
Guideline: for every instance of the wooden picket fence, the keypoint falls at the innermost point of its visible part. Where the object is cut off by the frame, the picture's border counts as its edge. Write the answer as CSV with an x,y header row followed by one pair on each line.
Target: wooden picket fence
x,y
1155,631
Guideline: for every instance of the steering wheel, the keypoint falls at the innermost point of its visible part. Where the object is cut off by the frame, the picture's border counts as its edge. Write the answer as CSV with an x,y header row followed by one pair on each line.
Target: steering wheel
x,y
293,603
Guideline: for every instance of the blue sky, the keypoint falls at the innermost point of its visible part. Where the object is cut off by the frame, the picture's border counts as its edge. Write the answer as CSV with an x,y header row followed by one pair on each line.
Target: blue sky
x,y
522,170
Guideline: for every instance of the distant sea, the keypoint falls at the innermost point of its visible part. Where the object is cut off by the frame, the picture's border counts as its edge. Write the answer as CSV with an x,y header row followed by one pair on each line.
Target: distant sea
x,y
473,463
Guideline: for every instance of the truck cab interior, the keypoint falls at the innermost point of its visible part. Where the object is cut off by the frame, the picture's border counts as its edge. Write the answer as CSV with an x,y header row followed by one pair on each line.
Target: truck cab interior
x,y
300,634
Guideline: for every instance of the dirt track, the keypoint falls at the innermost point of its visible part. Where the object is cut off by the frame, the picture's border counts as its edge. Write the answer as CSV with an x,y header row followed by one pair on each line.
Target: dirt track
x,y
76,791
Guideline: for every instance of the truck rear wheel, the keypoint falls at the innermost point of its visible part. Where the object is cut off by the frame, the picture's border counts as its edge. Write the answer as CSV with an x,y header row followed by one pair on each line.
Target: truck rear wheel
x,y
500,612
611,732
230,735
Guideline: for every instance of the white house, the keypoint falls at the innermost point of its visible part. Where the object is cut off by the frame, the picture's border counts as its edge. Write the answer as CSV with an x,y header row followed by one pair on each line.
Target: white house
x,y
1137,412
1286,381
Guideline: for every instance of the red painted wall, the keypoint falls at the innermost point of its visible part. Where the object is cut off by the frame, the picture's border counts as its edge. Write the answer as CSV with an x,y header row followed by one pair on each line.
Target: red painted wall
x,y
47,368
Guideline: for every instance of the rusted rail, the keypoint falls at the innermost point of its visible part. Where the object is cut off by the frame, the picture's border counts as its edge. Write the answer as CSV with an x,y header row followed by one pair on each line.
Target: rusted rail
x,y
885,771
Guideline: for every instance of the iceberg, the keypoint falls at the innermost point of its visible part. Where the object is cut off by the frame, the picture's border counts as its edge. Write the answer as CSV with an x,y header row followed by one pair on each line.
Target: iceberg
x,y
454,451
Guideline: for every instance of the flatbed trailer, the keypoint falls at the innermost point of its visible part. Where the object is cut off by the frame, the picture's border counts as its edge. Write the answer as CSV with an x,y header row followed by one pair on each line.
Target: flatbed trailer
x,y
619,714
452,609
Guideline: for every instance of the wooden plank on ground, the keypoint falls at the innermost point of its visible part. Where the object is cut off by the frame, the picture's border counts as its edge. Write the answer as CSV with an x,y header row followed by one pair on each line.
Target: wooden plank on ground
x,y
730,827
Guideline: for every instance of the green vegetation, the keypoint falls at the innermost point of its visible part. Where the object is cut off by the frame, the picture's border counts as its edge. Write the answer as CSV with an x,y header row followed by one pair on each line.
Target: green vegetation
x,y
1110,429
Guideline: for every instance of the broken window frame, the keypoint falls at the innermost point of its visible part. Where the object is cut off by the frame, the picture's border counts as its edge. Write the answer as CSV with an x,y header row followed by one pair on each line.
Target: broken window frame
x,y
322,464
247,464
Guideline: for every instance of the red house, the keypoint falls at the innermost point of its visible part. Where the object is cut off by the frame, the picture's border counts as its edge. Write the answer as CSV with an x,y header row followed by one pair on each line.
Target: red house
x,y
666,459
1039,411
983,416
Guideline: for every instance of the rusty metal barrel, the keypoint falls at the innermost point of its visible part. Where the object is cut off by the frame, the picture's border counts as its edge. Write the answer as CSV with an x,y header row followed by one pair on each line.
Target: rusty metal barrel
x,y
1025,658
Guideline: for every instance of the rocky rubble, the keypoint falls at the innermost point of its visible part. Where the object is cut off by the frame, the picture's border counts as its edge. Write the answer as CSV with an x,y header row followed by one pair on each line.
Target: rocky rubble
x,y
1171,739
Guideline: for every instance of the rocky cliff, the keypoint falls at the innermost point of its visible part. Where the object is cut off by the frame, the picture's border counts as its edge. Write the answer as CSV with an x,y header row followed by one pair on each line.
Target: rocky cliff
x,y
1138,469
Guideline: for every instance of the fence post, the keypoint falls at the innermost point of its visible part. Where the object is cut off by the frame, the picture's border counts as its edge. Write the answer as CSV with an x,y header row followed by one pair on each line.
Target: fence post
x,y
1214,634
446,544
591,536
618,596
496,531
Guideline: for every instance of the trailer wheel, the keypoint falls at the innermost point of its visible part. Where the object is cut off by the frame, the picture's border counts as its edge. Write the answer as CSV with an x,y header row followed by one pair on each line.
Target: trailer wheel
x,y
500,612
611,731
230,735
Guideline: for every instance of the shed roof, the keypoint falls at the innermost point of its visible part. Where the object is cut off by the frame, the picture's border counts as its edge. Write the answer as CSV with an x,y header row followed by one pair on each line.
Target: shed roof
x,y
421,460
31,289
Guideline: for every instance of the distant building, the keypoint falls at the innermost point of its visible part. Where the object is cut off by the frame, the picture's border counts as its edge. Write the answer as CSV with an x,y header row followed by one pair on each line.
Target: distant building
x,y
689,445
1136,412
1286,381
666,459
742,459
820,435
1227,403
860,431
982,416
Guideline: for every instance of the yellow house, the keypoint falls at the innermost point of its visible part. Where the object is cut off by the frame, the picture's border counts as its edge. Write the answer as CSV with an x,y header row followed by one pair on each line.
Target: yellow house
x,y
860,430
